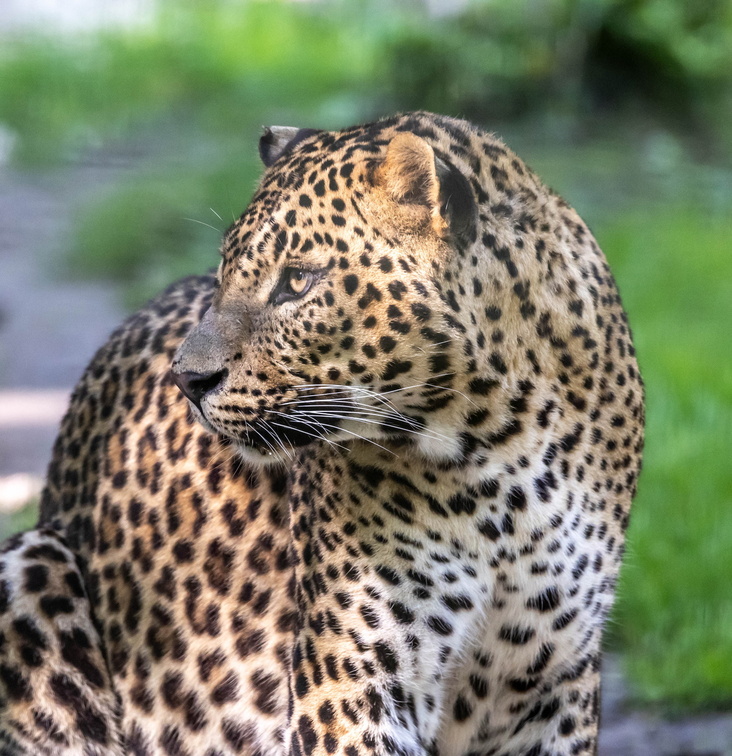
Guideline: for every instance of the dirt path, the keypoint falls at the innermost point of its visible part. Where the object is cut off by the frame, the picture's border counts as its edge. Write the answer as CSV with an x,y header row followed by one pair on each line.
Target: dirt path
x,y
49,329
629,732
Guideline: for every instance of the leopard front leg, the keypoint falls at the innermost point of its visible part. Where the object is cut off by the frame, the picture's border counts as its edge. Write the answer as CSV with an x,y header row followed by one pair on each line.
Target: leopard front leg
x,y
346,697
364,680
564,719
558,717
356,674
56,696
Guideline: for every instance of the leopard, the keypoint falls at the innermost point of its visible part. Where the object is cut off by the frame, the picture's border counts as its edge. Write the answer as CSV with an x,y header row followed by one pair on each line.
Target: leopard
x,y
363,491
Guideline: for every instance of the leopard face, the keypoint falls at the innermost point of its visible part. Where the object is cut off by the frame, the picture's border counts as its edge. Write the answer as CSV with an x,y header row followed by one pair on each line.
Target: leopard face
x,y
332,319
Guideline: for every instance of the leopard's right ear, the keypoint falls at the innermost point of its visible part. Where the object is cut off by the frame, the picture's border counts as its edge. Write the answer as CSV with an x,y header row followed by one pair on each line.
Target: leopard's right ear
x,y
277,140
413,174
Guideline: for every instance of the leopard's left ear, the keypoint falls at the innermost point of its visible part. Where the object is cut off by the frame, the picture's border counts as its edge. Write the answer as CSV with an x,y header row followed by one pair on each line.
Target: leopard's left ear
x,y
413,174
277,140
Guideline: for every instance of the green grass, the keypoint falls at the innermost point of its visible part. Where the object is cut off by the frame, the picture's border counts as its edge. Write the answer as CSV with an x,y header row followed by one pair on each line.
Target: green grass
x,y
188,97
20,519
674,614
665,224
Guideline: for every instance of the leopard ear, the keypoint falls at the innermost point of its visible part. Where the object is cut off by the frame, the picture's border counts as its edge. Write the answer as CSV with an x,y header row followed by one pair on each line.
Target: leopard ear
x,y
458,206
413,174
408,172
277,140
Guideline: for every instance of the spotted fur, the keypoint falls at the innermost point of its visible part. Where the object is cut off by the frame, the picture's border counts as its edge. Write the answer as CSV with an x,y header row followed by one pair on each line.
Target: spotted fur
x,y
398,525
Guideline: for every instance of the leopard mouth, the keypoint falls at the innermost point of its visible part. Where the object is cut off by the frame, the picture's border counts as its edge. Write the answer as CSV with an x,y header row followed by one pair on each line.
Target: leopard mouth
x,y
272,437
281,433
252,449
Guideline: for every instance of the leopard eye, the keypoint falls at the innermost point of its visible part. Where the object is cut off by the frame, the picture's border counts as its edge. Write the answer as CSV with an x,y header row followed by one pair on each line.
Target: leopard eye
x,y
294,283
299,281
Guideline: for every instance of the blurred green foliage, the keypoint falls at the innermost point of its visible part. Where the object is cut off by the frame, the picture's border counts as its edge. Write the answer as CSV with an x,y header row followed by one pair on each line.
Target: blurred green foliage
x,y
198,67
565,56
624,106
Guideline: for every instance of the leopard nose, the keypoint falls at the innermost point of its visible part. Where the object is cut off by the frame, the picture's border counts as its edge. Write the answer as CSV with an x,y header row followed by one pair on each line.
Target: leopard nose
x,y
196,385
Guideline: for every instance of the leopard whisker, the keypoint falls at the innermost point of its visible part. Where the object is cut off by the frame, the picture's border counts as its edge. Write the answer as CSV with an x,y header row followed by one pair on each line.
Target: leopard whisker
x,y
353,409
347,388
264,440
425,434
349,406
384,419
380,395
328,426
208,225
276,437
359,436
317,436
311,423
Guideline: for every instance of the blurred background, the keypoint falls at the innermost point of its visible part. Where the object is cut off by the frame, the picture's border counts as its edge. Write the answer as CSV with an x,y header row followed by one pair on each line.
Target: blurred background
x,y
128,143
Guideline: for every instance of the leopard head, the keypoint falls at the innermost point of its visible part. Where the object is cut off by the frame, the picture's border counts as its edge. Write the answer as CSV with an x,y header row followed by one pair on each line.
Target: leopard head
x,y
353,294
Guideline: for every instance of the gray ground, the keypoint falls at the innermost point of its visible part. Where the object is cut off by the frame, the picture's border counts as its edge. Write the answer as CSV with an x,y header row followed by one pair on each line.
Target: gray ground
x,y
50,328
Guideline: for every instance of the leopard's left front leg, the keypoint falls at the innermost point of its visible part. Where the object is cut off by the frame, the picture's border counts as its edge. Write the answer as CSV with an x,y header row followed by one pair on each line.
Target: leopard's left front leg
x,y
351,665
385,605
